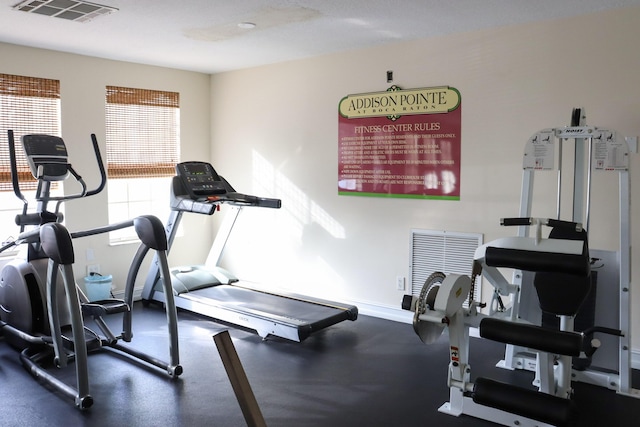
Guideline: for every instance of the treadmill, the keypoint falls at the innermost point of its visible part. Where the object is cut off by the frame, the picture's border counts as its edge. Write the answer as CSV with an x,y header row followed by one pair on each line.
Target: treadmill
x,y
214,292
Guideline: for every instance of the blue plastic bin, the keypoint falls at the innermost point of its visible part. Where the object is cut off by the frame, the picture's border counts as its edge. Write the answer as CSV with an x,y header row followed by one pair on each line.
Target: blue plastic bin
x,y
98,287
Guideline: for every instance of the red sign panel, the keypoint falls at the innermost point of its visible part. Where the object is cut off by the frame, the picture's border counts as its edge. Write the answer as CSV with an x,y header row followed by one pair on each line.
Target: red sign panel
x,y
400,144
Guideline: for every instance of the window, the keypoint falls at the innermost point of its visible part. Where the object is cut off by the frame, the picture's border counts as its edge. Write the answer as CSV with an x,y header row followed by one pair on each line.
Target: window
x,y
27,105
142,136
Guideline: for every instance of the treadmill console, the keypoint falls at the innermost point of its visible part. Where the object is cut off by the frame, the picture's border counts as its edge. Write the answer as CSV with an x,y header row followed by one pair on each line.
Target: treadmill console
x,y
200,179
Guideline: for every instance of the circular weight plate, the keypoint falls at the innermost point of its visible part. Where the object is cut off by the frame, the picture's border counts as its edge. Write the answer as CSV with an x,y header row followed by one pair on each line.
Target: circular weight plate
x,y
428,332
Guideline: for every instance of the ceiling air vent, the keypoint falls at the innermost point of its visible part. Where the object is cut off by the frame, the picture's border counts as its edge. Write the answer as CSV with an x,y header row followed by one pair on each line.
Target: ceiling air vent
x,y
72,10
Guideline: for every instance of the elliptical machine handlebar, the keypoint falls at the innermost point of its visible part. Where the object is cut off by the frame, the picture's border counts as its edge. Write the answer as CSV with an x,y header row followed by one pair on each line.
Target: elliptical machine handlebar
x,y
49,164
103,172
14,167
38,218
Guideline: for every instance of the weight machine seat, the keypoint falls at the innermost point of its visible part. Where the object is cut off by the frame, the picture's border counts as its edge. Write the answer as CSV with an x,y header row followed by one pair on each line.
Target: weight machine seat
x,y
551,262
561,293
562,280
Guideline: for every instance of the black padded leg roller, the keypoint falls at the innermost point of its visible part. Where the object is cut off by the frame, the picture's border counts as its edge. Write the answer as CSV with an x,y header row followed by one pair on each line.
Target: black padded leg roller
x,y
558,342
527,403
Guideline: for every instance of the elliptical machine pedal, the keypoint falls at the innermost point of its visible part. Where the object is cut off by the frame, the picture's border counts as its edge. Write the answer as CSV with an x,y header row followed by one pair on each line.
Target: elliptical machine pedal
x,y
105,307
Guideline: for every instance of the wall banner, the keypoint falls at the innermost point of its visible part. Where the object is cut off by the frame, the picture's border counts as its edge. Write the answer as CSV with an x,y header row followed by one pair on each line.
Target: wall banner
x,y
400,143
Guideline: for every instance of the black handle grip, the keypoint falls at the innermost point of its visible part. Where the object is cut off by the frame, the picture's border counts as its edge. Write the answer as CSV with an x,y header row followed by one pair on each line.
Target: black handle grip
x,y
557,223
269,203
38,218
515,221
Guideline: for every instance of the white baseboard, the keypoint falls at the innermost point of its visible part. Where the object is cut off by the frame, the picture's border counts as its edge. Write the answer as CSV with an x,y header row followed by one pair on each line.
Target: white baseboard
x,y
382,312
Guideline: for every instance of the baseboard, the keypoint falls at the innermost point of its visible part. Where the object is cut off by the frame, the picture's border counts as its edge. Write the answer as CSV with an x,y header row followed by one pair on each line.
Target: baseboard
x,y
384,312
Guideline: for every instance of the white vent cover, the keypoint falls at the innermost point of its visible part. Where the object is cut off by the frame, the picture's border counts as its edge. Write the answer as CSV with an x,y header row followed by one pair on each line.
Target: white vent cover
x,y
444,251
72,10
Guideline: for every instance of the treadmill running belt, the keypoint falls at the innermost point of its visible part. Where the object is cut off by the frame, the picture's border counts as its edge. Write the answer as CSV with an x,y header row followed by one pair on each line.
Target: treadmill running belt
x,y
244,299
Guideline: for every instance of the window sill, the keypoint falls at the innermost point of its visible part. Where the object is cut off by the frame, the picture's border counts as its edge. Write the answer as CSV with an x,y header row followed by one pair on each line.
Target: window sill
x,y
9,254
124,242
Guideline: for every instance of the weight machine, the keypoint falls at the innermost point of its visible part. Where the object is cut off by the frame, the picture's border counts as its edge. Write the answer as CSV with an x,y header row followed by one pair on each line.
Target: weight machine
x,y
564,315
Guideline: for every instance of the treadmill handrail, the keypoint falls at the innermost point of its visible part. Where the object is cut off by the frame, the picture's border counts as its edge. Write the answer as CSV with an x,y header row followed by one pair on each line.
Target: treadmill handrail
x,y
241,199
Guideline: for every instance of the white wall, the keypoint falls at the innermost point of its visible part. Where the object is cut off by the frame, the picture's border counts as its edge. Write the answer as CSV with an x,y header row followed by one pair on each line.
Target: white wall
x,y
274,133
82,86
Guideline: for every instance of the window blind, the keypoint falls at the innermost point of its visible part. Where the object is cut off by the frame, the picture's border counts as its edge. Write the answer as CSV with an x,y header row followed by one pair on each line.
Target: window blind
x,y
28,105
141,132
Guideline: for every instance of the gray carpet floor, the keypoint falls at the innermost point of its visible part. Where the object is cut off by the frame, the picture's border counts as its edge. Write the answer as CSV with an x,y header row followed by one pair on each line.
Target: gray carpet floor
x,y
370,372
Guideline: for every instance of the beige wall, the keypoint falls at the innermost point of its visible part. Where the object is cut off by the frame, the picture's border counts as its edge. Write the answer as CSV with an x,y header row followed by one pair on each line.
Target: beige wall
x,y
82,86
274,133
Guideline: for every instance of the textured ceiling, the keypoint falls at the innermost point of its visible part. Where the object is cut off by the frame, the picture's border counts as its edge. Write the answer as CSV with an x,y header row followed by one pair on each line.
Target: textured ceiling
x,y
204,36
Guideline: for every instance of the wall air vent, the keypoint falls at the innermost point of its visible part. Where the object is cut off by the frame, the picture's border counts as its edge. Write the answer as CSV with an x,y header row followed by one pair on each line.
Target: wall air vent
x,y
71,10
445,251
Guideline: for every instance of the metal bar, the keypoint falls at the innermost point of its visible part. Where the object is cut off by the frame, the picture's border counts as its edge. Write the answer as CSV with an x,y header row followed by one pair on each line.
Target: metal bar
x,y
222,236
80,348
624,352
171,229
172,314
578,180
559,195
588,201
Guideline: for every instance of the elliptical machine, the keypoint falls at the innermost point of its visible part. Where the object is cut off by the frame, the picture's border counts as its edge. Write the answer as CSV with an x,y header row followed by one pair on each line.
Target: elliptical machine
x,y
45,320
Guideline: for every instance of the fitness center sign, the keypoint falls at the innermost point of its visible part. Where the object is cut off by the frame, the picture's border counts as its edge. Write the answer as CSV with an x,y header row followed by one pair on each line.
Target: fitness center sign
x,y
400,143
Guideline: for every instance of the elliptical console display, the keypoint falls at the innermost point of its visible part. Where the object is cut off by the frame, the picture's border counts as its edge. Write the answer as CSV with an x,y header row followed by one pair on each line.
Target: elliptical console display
x,y
47,157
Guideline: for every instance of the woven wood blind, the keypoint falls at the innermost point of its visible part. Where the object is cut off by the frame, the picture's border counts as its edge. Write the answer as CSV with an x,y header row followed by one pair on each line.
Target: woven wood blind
x,y
28,105
142,132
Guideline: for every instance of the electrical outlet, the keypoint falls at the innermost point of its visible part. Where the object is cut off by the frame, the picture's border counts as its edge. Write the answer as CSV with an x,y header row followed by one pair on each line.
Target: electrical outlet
x,y
93,268
400,283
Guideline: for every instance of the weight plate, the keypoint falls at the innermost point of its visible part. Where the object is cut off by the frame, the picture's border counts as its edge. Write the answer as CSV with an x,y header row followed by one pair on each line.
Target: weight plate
x,y
428,332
